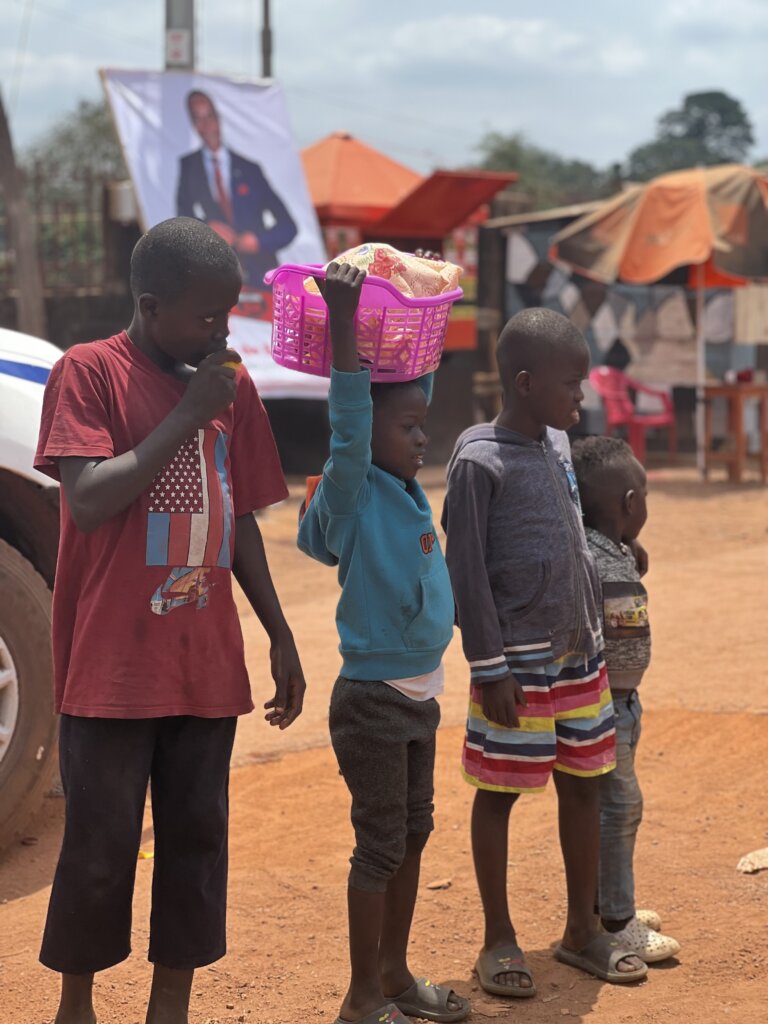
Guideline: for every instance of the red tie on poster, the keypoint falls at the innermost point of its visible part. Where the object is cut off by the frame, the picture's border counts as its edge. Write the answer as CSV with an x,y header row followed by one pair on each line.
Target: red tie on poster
x,y
222,196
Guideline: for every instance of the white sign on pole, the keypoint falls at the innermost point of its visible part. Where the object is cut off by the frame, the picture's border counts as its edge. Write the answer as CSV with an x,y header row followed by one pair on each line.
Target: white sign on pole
x,y
221,150
178,48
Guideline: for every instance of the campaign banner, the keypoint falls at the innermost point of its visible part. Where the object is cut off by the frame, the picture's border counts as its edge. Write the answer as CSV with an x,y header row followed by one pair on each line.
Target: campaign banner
x,y
221,150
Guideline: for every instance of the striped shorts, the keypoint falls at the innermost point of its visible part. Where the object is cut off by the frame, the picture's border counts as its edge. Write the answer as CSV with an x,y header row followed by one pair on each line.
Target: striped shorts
x,y
568,725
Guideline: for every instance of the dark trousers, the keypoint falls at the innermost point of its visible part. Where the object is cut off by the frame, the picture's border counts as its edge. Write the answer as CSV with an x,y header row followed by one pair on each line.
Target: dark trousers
x,y
385,745
106,766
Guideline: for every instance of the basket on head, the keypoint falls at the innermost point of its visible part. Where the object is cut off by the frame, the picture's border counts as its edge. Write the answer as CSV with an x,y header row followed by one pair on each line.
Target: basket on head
x,y
398,338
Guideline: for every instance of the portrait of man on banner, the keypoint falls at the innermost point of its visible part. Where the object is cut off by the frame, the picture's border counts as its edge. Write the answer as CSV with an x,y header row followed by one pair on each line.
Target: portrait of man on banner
x,y
232,194
221,150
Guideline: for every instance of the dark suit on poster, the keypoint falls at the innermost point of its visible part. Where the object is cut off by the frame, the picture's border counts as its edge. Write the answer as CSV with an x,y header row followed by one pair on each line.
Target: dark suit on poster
x,y
251,197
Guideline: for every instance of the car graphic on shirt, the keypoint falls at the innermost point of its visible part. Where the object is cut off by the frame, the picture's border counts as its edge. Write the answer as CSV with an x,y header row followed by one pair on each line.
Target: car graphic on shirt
x,y
637,615
184,585
625,610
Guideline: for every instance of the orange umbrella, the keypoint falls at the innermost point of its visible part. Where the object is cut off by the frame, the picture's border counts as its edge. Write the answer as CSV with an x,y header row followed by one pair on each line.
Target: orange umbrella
x,y
351,183
714,220
716,216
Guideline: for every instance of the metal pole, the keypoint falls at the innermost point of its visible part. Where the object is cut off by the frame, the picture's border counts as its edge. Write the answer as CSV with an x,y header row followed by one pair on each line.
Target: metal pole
x,y
30,302
266,43
701,370
486,387
180,48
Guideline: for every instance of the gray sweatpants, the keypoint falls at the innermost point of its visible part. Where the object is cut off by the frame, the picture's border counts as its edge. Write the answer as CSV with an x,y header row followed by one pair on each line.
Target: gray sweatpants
x,y
385,745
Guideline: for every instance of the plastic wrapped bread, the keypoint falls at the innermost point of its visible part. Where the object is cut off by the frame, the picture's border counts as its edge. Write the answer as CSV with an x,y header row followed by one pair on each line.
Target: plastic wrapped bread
x,y
413,276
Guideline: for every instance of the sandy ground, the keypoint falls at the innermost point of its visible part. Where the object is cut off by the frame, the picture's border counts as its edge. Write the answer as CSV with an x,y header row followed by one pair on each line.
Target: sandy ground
x,y
702,765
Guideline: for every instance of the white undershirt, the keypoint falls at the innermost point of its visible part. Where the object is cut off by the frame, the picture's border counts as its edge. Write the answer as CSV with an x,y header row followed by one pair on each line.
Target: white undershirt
x,y
421,687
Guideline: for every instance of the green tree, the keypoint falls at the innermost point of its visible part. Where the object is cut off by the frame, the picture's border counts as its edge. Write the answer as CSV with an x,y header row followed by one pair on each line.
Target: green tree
x,y
83,144
710,128
65,170
549,179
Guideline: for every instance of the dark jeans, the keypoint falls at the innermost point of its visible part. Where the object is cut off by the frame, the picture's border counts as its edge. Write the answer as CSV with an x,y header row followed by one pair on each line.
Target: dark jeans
x,y
385,745
106,765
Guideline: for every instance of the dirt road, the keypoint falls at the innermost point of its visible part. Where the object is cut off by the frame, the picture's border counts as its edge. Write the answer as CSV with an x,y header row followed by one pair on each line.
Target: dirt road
x,y
702,766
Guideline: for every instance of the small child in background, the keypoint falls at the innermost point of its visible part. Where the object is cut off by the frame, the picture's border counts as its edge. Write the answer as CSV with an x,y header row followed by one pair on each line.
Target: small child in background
x,y
613,490
370,517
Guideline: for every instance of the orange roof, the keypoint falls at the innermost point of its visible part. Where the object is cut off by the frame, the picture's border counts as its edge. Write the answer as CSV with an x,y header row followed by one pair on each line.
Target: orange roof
x,y
442,202
350,182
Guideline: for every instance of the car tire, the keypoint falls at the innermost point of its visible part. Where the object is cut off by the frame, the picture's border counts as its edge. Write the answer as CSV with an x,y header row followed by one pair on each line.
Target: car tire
x,y
28,745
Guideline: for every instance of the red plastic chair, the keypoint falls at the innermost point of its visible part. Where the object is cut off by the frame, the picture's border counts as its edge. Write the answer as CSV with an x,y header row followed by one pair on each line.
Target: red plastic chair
x,y
613,388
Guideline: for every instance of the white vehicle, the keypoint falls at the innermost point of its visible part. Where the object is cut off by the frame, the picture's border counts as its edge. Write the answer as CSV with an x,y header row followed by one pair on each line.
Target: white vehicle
x,y
29,534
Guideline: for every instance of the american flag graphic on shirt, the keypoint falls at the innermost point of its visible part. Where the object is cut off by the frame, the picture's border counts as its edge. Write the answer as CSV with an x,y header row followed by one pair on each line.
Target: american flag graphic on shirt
x,y
189,522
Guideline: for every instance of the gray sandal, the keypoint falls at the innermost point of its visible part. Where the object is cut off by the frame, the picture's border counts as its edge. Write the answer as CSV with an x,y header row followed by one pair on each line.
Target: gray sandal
x,y
423,999
388,1014
508,959
600,957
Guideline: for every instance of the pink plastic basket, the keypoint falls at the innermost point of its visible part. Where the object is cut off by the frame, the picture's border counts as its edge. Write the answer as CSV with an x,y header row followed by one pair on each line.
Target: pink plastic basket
x,y
398,338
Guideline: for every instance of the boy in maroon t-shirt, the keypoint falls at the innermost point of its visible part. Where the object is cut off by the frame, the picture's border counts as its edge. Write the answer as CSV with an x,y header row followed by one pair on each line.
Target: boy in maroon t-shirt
x,y
162,467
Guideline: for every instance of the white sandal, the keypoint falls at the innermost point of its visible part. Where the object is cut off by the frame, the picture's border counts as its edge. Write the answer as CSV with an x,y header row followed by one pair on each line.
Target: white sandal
x,y
651,946
649,918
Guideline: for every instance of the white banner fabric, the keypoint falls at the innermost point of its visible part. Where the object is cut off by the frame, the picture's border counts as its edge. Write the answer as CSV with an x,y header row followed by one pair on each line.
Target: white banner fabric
x,y
221,150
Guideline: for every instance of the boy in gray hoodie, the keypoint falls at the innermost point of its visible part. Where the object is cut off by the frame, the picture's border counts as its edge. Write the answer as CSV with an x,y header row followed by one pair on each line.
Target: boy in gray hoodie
x,y
527,596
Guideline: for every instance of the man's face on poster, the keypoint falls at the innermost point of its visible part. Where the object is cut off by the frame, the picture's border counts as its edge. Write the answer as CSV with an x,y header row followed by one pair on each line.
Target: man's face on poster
x,y
205,121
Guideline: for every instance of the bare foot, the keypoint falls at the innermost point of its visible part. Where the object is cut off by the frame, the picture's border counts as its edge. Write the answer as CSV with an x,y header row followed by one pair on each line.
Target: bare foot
x,y
576,941
169,998
76,1004
395,984
358,1005
510,978
83,1016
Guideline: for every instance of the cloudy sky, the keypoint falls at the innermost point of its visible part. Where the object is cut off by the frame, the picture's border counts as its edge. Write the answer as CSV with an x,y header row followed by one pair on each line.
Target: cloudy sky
x,y
422,81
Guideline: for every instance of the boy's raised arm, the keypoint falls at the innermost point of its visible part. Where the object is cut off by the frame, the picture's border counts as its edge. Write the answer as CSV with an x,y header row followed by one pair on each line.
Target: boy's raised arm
x,y
341,291
350,406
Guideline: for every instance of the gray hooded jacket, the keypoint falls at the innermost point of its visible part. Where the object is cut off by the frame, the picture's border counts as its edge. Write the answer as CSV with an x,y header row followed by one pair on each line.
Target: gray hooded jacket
x,y
526,587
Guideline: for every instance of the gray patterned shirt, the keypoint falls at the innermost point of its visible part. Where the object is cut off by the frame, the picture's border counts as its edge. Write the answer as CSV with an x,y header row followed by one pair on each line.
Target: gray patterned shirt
x,y
625,612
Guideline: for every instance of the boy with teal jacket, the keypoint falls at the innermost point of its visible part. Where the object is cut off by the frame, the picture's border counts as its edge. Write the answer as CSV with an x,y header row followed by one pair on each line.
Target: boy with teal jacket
x,y
395,619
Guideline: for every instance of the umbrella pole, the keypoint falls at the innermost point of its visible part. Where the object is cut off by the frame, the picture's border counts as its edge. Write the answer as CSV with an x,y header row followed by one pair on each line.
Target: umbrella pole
x,y
701,371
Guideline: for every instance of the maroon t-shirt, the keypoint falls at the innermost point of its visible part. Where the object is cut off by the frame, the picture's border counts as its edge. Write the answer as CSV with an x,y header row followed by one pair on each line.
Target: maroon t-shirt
x,y
144,620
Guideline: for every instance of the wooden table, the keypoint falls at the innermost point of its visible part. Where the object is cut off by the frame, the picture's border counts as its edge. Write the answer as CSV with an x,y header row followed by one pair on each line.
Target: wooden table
x,y
734,454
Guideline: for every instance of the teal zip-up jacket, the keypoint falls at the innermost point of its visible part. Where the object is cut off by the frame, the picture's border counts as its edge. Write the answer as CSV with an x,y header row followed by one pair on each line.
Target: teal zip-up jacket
x,y
396,612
